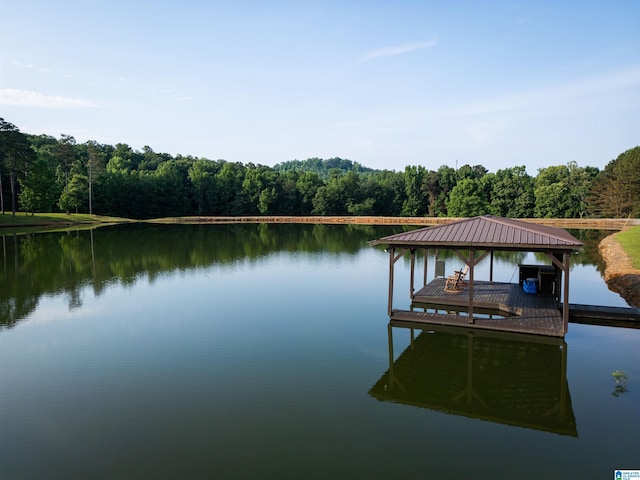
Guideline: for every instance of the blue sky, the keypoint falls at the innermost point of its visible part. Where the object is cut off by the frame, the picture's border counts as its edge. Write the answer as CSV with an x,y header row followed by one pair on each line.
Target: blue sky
x,y
385,84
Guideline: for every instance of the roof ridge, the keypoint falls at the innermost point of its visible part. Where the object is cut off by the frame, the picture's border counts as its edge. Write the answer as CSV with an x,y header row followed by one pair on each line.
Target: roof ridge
x,y
528,226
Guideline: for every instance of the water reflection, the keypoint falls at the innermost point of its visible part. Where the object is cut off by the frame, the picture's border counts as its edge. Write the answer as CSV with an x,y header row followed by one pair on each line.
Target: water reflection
x,y
511,379
66,262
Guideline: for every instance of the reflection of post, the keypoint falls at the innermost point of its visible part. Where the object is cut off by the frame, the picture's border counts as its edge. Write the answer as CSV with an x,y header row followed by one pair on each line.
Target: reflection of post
x,y
559,409
391,264
93,256
469,391
4,254
15,253
390,337
469,368
472,265
563,381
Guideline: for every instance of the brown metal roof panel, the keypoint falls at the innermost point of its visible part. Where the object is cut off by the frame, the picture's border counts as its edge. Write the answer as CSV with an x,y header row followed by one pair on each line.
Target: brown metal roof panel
x,y
473,232
522,236
457,231
537,239
497,234
492,234
442,234
519,236
489,231
557,233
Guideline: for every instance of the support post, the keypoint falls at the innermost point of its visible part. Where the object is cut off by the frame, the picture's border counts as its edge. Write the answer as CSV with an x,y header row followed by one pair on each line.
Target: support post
x,y
426,259
413,268
491,268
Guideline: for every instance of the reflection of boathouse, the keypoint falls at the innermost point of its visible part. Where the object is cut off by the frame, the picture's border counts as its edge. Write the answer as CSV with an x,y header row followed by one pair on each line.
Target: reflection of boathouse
x,y
506,378
545,311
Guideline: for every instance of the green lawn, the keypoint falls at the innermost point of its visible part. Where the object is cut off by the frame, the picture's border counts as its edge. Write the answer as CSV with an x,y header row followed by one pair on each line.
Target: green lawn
x,y
630,241
22,221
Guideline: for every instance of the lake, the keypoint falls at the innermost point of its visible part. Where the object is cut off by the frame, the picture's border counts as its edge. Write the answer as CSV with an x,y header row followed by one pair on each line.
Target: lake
x,y
264,351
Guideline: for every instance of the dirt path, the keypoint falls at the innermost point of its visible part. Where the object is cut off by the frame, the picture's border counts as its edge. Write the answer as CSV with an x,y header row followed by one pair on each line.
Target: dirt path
x,y
620,275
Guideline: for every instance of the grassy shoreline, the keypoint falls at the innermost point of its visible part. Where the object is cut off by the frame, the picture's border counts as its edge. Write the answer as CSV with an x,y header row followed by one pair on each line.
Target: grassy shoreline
x,y
40,222
48,220
586,223
629,239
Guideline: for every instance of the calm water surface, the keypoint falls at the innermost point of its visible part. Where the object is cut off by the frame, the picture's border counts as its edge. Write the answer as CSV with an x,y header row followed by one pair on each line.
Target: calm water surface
x,y
255,351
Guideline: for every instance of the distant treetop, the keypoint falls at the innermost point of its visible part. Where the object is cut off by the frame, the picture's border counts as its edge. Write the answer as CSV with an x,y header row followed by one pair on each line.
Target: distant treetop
x,y
321,166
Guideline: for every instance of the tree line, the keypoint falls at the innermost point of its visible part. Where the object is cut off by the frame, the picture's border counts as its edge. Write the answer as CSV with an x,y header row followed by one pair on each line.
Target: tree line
x,y
48,174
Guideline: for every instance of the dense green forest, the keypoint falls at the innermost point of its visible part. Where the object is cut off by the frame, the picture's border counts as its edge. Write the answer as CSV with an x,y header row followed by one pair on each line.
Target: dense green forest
x,y
39,173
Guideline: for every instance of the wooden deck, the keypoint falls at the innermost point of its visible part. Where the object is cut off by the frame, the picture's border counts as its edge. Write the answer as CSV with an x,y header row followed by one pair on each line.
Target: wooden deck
x,y
497,306
626,317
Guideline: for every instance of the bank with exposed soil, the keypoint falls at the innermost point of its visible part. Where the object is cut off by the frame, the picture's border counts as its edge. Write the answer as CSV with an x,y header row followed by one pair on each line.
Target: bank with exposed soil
x,y
620,275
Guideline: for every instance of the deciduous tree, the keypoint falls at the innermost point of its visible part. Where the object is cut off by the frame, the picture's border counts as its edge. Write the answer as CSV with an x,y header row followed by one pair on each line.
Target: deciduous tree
x,y
468,199
616,189
15,155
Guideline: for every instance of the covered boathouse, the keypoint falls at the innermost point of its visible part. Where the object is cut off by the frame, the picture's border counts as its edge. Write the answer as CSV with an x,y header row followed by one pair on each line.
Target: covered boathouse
x,y
485,304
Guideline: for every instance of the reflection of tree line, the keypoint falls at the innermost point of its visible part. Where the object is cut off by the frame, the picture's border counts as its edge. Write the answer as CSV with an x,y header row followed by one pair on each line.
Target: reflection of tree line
x,y
34,265
589,253
446,254
38,264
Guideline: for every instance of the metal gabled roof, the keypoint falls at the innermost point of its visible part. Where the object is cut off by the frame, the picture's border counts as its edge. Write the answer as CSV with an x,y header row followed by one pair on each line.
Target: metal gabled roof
x,y
486,231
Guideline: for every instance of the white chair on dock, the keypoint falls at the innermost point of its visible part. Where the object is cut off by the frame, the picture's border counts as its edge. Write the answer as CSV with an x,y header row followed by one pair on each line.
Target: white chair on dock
x,y
456,282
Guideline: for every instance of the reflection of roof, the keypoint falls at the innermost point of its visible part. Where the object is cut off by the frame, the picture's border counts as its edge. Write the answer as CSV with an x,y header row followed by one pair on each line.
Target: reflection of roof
x,y
513,382
486,231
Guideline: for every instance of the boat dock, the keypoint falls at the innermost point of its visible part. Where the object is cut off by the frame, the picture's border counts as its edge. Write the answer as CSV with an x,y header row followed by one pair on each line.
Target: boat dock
x,y
538,304
497,306
506,307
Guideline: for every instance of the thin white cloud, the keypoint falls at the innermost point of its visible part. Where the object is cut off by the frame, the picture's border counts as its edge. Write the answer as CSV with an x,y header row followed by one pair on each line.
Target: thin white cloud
x,y
29,66
486,120
26,98
164,90
588,87
22,64
396,50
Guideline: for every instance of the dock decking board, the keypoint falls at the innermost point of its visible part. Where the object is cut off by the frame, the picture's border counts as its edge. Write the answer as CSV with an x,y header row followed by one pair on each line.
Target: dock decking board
x,y
627,317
